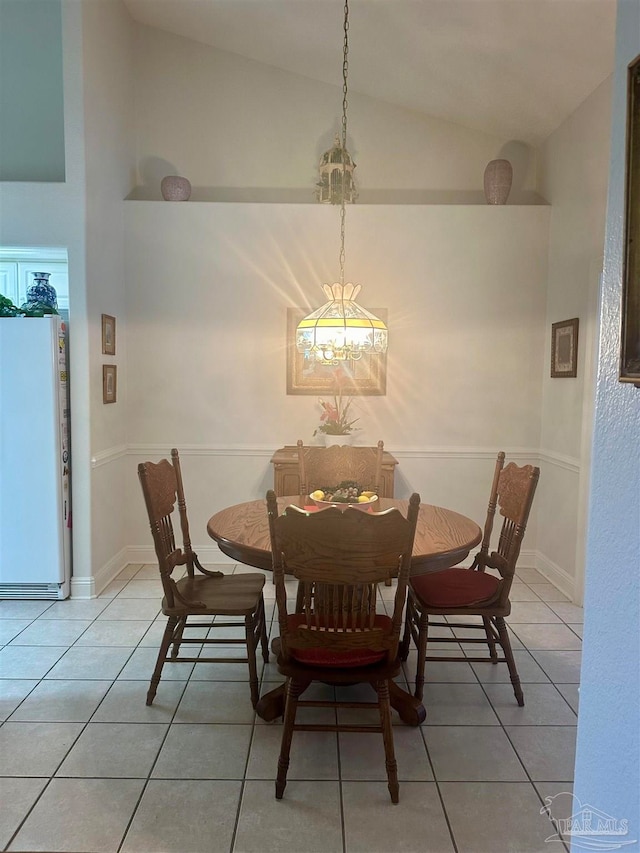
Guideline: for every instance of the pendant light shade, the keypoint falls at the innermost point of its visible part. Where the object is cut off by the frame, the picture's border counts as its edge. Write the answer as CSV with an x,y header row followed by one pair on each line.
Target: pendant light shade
x,y
340,329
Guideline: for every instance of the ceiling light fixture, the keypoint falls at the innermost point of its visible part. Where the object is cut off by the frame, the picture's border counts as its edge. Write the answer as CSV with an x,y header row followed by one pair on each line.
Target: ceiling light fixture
x,y
341,329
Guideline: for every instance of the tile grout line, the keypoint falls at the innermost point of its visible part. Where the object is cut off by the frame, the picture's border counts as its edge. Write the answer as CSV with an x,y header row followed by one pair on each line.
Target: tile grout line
x,y
438,789
531,781
243,780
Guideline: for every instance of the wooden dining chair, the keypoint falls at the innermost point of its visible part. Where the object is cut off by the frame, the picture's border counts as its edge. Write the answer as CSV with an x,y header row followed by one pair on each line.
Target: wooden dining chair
x,y
473,591
336,634
320,467
203,595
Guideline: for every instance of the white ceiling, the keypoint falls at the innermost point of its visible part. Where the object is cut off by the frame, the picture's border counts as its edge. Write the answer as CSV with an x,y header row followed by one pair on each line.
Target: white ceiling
x,y
513,68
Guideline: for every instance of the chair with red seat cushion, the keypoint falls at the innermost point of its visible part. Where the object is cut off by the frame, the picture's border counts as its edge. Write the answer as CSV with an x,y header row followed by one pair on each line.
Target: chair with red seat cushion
x,y
338,557
474,592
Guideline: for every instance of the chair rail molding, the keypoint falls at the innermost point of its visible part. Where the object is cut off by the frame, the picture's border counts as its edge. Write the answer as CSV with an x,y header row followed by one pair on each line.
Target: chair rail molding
x,y
569,463
90,586
111,454
201,450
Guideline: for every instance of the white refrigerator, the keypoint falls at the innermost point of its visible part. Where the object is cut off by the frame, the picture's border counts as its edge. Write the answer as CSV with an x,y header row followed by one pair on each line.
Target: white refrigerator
x,y
35,502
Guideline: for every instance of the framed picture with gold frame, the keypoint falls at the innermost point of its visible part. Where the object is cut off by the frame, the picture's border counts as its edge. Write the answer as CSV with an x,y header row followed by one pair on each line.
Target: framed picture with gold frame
x,y
109,383
367,376
564,349
630,327
108,335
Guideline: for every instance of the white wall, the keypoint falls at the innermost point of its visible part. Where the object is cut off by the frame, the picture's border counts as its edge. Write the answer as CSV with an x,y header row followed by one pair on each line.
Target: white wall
x,y
108,34
227,122
608,749
207,290
31,102
53,214
573,178
84,215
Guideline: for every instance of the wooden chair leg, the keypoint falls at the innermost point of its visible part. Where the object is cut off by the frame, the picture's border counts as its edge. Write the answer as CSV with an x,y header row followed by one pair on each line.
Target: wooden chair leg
x,y
423,633
505,642
405,644
177,639
264,640
251,639
172,621
382,688
490,640
293,690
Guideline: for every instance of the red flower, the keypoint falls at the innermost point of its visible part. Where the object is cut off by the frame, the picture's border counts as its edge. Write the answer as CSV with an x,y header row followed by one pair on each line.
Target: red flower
x,y
334,419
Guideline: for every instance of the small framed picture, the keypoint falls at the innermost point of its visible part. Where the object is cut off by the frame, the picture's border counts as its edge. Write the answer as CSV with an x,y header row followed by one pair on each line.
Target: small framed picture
x,y
109,383
108,335
564,349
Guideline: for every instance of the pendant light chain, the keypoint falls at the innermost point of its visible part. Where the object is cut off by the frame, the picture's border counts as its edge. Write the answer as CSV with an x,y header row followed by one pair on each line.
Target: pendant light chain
x,y
345,71
340,331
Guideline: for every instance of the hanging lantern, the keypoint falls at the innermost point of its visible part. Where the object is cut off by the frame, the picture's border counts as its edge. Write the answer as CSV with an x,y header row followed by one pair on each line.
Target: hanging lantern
x,y
336,171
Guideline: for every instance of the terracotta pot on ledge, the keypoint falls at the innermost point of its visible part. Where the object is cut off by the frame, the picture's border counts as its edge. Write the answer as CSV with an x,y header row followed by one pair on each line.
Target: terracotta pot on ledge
x,y
175,188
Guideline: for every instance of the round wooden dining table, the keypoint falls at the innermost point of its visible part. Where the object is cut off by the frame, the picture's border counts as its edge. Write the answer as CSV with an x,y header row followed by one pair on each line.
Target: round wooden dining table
x,y
443,538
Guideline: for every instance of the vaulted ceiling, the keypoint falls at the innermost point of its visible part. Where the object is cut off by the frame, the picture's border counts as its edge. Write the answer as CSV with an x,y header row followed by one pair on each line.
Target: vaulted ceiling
x,y
513,68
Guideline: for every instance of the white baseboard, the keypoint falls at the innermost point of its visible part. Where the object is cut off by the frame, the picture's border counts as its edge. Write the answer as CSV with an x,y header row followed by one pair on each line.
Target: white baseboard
x,y
528,559
83,587
556,575
211,555
92,585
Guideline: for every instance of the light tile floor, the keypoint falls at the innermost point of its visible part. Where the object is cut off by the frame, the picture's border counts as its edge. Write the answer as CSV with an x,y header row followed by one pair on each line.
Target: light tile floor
x,y
86,766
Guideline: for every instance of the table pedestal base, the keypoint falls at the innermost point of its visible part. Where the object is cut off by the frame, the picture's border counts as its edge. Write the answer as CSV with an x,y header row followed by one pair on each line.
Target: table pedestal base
x,y
410,709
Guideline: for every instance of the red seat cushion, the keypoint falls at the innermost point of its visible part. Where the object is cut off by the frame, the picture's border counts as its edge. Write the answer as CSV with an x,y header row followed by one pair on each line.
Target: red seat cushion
x,y
322,656
455,588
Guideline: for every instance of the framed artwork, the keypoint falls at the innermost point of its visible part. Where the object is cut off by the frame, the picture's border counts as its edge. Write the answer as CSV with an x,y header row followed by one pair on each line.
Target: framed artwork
x,y
630,327
109,383
564,349
108,335
366,376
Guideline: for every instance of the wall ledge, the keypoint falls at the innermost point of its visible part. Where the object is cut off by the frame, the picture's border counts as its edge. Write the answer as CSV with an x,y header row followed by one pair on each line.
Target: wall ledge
x,y
285,195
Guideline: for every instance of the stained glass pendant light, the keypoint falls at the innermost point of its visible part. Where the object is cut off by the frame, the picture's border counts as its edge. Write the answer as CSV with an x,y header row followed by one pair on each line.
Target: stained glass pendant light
x,y
341,329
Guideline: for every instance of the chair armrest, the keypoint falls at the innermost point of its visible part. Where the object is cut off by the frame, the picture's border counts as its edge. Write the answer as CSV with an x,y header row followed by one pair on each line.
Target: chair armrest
x,y
207,572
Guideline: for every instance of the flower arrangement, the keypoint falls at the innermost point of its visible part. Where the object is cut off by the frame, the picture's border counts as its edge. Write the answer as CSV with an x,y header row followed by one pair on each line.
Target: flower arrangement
x,y
334,419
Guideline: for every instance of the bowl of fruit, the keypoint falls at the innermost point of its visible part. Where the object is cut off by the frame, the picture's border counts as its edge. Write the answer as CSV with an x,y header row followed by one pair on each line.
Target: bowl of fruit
x,y
344,495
